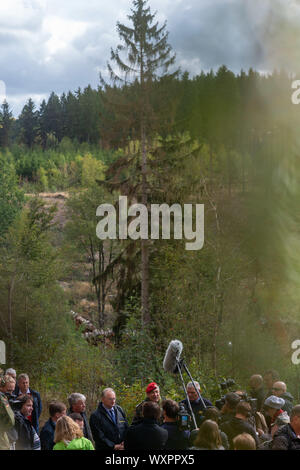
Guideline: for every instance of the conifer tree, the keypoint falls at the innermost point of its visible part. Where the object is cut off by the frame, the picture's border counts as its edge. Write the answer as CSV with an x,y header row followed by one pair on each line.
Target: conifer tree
x,y
143,57
28,121
6,120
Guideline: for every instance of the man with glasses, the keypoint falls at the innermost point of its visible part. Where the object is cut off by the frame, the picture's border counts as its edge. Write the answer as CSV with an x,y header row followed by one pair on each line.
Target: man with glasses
x,y
108,423
279,390
153,394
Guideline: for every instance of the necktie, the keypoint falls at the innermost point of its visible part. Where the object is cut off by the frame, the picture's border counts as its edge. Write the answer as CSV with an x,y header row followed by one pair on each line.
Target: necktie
x,y
112,415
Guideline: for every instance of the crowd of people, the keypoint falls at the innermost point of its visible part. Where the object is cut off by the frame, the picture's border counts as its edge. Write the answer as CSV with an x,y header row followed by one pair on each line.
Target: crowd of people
x,y
265,418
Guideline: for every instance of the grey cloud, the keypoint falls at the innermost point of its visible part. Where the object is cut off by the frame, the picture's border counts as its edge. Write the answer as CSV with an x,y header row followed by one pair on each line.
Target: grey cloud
x,y
216,33
204,34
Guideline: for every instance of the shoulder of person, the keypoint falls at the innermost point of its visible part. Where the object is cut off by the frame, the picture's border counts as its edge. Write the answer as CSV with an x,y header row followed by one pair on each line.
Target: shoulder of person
x,y
3,398
140,404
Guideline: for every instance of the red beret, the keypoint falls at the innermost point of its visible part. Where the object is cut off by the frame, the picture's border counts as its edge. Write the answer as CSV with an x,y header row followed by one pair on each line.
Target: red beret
x,y
151,387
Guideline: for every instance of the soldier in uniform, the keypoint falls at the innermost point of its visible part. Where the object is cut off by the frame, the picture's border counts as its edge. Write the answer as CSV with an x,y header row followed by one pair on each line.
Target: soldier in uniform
x,y
153,394
7,418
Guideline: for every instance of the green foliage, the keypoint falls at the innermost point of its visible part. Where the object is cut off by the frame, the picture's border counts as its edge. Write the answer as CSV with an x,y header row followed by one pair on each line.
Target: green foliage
x,y
11,197
92,170
234,304
42,179
29,263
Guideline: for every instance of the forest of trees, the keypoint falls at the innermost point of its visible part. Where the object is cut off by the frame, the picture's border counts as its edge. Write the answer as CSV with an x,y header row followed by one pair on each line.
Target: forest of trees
x,y
155,134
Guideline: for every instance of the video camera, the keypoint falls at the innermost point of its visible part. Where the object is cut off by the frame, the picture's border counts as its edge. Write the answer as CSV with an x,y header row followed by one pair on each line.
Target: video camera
x,y
183,418
224,387
14,402
252,402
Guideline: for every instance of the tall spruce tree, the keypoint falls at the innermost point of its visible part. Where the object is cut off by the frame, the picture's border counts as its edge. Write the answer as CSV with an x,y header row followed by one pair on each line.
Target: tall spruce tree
x,y
6,120
143,57
28,121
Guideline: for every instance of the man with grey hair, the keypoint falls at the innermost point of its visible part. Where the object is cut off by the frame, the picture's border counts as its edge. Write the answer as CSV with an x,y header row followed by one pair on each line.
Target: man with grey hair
x,y
108,423
23,388
10,371
196,402
77,405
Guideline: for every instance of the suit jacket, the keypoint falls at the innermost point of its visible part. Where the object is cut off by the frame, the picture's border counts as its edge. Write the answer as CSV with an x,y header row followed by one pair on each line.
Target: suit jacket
x,y
147,435
106,433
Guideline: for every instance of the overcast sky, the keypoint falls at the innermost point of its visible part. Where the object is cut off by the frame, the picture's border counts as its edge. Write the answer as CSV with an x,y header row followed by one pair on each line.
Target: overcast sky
x,y
59,45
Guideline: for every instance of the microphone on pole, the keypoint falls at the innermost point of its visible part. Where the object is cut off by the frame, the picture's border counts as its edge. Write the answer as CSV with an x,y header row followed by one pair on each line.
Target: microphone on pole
x,y
172,356
173,364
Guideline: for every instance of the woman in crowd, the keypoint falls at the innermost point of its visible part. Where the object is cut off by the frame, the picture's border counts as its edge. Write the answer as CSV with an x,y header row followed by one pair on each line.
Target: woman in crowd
x,y
69,436
27,435
208,437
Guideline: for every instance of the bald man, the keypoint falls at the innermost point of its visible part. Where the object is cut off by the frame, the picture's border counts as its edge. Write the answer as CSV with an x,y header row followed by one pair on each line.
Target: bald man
x,y
279,390
257,390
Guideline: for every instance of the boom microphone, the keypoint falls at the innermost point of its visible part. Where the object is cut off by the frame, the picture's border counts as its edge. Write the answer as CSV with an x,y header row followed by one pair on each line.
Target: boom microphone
x,y
172,355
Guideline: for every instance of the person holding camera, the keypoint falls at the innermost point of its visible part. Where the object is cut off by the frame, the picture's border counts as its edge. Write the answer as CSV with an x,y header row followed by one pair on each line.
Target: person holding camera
x,y
257,390
196,403
228,409
239,424
178,438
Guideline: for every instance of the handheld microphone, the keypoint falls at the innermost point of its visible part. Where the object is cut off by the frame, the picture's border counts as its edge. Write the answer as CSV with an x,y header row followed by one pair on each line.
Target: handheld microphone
x,y
172,355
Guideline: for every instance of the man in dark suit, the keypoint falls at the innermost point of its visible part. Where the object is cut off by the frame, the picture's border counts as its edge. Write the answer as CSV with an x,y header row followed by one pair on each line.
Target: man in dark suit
x,y
108,423
147,435
23,388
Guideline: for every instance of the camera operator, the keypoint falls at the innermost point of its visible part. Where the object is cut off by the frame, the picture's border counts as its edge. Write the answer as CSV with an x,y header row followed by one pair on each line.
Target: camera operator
x,y
239,423
178,438
257,390
196,402
256,417
7,420
228,409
